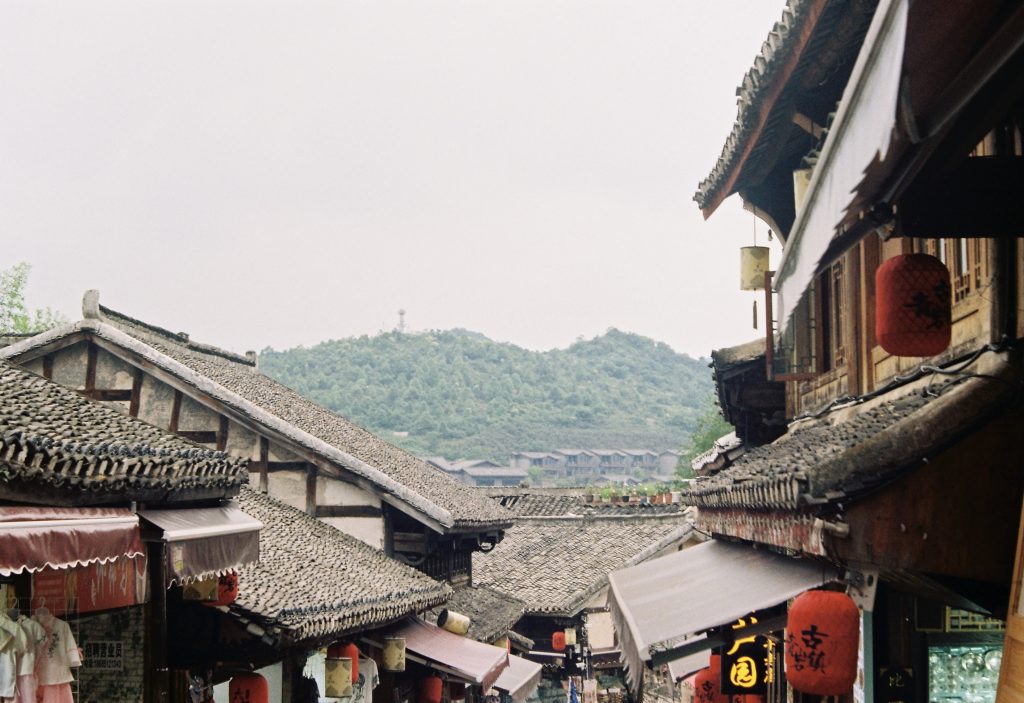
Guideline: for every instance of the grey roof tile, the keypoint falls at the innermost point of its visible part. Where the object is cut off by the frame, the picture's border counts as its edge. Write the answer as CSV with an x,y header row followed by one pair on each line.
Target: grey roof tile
x,y
540,502
86,452
855,448
491,612
240,376
235,381
556,564
314,582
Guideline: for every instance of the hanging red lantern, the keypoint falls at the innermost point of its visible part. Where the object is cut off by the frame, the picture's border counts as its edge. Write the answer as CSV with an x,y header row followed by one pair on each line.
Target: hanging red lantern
x,y
346,650
251,688
558,641
822,638
913,305
227,589
707,686
430,689
456,691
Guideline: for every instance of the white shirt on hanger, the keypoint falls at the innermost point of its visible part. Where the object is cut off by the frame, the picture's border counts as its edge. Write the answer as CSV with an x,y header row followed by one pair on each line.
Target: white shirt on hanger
x,y
57,652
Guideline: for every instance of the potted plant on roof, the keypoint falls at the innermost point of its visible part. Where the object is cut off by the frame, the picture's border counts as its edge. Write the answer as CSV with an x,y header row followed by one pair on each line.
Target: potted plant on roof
x,y
588,494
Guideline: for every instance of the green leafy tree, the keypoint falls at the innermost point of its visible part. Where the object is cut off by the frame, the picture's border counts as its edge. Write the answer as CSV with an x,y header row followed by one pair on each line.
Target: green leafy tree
x,y
15,317
710,425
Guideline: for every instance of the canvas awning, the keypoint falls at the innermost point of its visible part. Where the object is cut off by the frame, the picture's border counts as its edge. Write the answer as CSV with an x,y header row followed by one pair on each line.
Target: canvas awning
x,y
658,604
860,133
519,679
32,539
679,669
205,542
473,661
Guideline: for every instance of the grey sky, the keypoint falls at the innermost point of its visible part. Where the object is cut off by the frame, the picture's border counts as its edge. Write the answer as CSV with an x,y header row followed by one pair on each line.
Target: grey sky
x,y
280,173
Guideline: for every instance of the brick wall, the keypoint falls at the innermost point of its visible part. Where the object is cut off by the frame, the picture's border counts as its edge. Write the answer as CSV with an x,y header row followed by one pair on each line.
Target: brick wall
x,y
100,680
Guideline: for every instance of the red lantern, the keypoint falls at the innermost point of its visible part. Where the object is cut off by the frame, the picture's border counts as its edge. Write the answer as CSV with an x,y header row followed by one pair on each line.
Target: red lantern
x,y
430,689
913,305
346,650
227,589
251,688
456,691
558,641
707,686
822,637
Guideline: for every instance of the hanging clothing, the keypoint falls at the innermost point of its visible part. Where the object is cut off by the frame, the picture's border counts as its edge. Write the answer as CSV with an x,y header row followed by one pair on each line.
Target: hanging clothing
x,y
27,684
59,693
13,645
362,689
56,653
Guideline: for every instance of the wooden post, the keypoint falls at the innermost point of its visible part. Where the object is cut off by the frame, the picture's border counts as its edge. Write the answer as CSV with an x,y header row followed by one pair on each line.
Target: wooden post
x,y
1011,673
133,405
311,476
175,411
158,679
90,367
264,458
222,434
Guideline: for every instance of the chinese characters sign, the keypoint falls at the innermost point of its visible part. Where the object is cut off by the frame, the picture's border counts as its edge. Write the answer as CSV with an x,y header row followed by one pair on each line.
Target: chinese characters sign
x,y
896,685
108,656
748,665
117,584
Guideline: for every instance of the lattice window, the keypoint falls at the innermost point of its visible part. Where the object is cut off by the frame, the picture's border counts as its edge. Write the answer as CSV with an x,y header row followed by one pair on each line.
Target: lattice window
x,y
965,621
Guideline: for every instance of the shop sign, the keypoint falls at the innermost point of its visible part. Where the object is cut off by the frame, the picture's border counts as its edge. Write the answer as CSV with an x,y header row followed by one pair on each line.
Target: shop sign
x,y
748,665
85,589
895,685
103,656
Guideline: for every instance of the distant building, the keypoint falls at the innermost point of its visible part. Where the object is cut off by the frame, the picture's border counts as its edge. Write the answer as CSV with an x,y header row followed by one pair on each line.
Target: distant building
x,y
480,472
586,465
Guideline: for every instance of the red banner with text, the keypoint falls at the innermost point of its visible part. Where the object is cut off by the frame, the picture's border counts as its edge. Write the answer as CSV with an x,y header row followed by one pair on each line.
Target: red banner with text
x,y
85,589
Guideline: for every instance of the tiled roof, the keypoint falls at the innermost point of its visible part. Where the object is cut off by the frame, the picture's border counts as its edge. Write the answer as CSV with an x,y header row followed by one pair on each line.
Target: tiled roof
x,y
235,381
314,582
741,353
540,502
475,464
556,564
812,37
496,471
82,451
856,448
781,41
491,612
723,446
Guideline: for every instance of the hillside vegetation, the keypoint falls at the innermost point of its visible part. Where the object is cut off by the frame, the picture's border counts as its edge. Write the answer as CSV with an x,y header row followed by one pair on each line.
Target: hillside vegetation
x,y
462,395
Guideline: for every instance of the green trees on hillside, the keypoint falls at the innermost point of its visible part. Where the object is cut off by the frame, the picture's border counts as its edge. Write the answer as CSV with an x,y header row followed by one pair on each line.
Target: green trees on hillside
x,y
460,394
710,425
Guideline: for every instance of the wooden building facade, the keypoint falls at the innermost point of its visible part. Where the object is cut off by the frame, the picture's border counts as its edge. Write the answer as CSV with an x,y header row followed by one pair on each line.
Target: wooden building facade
x,y
868,131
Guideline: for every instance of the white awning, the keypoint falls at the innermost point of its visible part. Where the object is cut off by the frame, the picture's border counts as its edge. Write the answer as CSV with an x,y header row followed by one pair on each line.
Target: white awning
x,y
661,604
520,679
860,133
679,669
205,542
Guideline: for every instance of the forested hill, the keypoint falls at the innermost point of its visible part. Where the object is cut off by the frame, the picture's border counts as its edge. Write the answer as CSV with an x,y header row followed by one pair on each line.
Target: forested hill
x,y
460,395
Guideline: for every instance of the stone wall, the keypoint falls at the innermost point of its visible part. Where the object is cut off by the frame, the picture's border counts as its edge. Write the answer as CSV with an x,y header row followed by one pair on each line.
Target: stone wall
x,y
108,673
